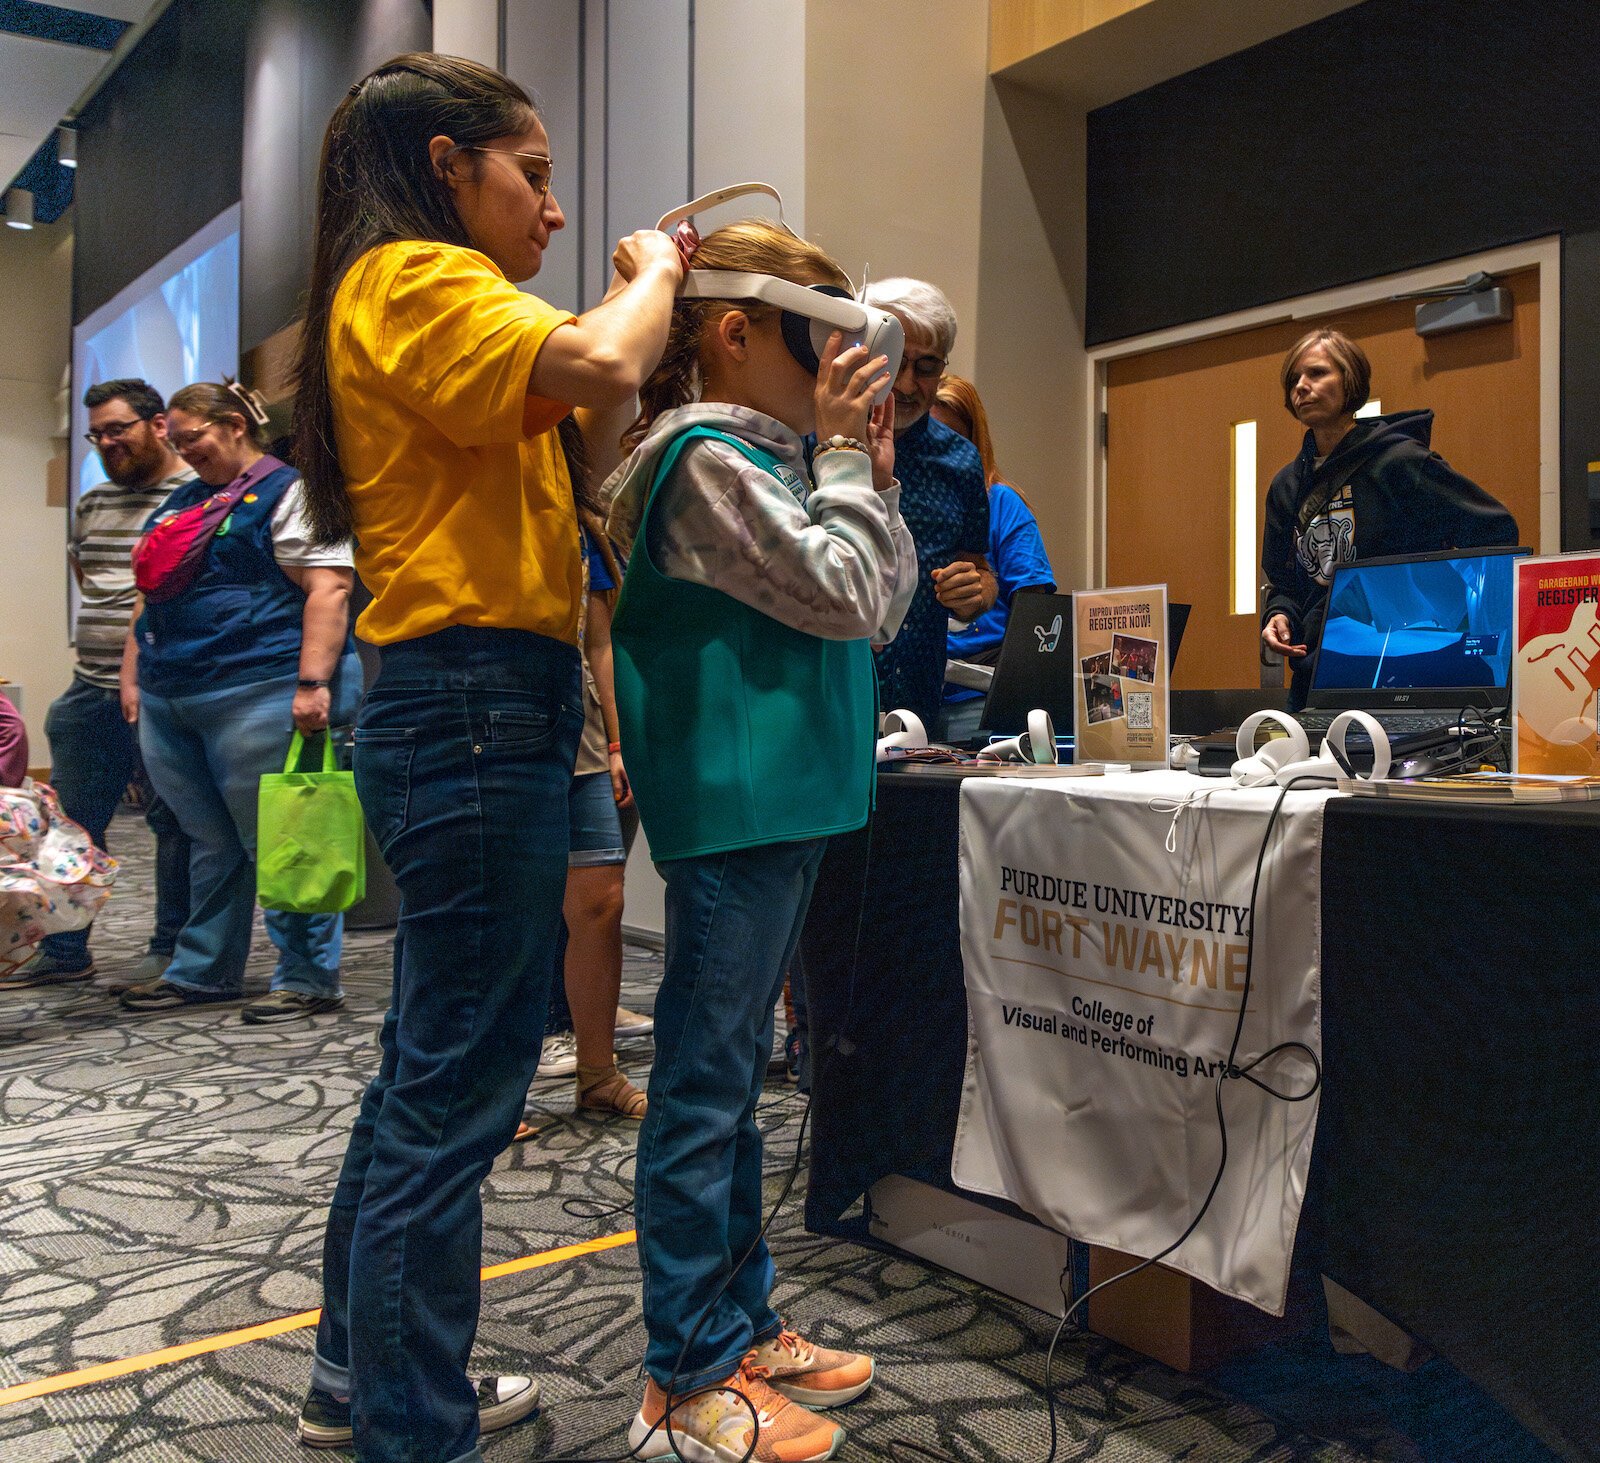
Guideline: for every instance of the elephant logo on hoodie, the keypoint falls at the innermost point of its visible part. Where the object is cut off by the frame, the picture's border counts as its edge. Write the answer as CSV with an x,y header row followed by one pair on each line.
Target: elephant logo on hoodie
x,y
1329,539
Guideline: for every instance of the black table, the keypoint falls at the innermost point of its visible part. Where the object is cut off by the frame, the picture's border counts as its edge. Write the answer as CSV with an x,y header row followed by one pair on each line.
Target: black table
x,y
1455,1162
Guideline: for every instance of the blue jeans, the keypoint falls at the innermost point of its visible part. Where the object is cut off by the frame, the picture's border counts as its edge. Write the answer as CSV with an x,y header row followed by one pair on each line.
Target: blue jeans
x,y
464,755
733,920
206,753
94,755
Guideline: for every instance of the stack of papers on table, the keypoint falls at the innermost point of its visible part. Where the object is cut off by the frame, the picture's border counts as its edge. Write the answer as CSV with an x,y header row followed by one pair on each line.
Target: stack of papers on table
x,y
1480,787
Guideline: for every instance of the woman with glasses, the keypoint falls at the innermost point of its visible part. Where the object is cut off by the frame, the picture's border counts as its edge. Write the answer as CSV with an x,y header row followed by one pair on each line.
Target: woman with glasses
x,y
434,403
218,674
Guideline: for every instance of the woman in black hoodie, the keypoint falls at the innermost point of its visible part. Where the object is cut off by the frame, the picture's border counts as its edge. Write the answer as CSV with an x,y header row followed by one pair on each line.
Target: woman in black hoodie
x,y
1359,489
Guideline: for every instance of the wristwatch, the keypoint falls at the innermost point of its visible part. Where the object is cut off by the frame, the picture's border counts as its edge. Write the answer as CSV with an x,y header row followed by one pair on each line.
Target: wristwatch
x,y
305,685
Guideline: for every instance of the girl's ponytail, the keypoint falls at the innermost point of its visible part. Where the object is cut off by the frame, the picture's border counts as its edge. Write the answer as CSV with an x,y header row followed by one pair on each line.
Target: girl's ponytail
x,y
752,246
673,382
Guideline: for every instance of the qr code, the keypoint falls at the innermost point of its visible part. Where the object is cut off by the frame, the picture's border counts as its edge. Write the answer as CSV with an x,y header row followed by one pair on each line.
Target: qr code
x,y
1141,710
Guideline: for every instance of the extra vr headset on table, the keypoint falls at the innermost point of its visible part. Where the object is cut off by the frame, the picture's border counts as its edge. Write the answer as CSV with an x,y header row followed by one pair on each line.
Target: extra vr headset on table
x,y
809,313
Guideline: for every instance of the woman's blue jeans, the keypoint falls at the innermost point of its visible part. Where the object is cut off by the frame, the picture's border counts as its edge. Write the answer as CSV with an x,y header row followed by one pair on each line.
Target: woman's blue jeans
x,y
464,754
205,754
733,921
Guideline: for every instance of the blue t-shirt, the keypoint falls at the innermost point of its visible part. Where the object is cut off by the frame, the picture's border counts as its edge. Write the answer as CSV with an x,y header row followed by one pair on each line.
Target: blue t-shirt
x,y
1017,556
600,579
946,506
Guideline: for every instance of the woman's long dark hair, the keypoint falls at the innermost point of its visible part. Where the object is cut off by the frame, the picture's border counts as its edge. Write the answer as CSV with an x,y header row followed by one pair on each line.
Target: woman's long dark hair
x,y
377,184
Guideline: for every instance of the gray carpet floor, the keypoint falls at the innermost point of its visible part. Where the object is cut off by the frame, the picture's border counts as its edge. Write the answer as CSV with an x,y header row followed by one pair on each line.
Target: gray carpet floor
x,y
163,1179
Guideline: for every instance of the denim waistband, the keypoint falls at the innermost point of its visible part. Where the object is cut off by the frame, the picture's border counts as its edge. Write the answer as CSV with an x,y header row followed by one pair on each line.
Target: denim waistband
x,y
462,656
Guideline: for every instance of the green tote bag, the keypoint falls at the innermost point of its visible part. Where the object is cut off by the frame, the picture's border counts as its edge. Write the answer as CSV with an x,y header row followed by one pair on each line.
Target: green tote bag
x,y
311,846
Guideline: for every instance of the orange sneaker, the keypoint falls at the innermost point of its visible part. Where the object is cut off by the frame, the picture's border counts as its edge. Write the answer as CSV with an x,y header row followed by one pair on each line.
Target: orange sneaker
x,y
812,1375
716,1425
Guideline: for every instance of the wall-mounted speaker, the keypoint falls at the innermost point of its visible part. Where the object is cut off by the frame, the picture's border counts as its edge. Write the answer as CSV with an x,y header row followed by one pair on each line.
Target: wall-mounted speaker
x,y
1463,312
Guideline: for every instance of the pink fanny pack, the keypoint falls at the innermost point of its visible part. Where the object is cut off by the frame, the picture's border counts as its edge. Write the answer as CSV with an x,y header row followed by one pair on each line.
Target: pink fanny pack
x,y
169,558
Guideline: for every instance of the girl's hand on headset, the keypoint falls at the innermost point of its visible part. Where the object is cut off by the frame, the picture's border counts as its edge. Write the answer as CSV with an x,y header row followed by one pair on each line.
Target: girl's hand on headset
x,y
880,439
846,381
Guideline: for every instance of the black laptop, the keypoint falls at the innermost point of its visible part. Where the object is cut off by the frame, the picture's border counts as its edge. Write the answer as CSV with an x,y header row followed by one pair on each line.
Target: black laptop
x,y
1421,642
1035,668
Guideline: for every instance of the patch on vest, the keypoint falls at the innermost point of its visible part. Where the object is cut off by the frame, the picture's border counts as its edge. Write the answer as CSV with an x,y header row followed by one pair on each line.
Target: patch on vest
x,y
793,482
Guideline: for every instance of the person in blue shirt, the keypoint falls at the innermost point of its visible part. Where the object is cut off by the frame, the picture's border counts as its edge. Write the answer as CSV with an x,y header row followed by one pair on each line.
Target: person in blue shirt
x,y
942,500
1016,553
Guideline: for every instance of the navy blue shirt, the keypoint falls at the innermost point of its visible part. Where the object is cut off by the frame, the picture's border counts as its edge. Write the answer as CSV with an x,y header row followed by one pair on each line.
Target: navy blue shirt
x,y
946,506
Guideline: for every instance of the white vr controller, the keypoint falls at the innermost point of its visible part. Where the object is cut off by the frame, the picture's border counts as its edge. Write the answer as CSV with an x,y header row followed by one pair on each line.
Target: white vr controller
x,y
901,731
1287,760
1038,746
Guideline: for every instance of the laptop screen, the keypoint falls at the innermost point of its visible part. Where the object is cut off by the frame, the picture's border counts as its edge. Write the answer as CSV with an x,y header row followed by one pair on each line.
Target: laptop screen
x,y
1432,631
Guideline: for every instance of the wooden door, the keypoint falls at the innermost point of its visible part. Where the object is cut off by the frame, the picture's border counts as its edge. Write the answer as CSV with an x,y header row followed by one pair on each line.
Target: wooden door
x,y
1169,448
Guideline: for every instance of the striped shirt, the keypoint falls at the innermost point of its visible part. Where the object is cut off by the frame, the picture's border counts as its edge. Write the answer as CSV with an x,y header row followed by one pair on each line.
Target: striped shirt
x,y
105,528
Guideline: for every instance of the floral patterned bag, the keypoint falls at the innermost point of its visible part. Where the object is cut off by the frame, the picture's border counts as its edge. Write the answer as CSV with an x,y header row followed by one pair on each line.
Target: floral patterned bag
x,y
52,877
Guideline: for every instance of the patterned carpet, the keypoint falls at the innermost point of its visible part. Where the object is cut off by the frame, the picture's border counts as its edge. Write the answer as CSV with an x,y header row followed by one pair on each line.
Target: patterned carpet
x,y
163,1178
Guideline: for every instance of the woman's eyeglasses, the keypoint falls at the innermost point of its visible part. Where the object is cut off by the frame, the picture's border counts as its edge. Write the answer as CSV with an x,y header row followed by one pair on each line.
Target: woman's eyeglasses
x,y
534,166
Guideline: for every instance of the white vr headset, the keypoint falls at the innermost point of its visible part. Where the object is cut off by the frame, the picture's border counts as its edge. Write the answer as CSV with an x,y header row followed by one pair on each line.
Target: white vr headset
x,y
809,314
1288,759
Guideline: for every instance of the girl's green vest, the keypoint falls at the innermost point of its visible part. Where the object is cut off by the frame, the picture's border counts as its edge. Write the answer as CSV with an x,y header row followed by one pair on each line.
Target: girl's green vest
x,y
736,729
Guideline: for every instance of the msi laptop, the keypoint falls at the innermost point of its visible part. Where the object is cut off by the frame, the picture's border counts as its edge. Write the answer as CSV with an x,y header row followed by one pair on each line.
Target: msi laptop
x,y
1035,668
1420,642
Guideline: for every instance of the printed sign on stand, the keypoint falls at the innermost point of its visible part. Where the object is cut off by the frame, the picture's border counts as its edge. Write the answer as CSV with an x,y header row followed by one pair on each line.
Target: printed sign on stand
x,y
1119,647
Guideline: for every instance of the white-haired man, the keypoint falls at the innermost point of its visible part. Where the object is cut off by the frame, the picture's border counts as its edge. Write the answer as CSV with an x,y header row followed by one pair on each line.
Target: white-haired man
x,y
943,499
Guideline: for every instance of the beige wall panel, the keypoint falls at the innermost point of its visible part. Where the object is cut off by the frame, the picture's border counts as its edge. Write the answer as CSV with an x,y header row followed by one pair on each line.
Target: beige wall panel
x,y
1032,370
469,28
894,148
35,303
735,140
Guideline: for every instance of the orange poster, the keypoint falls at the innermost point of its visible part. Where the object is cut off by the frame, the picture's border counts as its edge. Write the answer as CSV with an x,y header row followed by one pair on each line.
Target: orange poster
x,y
1556,678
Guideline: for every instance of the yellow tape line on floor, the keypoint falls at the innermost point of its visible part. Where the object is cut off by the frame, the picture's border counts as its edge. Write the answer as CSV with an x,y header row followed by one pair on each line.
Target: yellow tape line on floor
x,y
165,1357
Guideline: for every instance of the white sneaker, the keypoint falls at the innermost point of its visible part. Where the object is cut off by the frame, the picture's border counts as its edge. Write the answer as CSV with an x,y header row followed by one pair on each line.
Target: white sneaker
x,y
633,1023
558,1057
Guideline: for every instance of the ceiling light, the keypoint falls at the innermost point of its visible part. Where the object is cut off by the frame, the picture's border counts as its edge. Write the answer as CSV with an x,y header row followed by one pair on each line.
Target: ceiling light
x,y
19,208
67,147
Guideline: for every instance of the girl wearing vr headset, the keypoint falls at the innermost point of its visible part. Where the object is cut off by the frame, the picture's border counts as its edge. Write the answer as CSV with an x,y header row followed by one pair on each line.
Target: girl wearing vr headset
x,y
746,697
431,394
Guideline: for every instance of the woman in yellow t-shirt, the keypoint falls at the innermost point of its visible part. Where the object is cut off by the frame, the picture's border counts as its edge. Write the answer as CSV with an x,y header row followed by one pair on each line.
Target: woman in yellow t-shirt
x,y
430,391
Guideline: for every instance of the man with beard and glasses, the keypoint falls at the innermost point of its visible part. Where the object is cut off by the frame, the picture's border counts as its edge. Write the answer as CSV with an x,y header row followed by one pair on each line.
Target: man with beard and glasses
x,y
944,499
94,746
